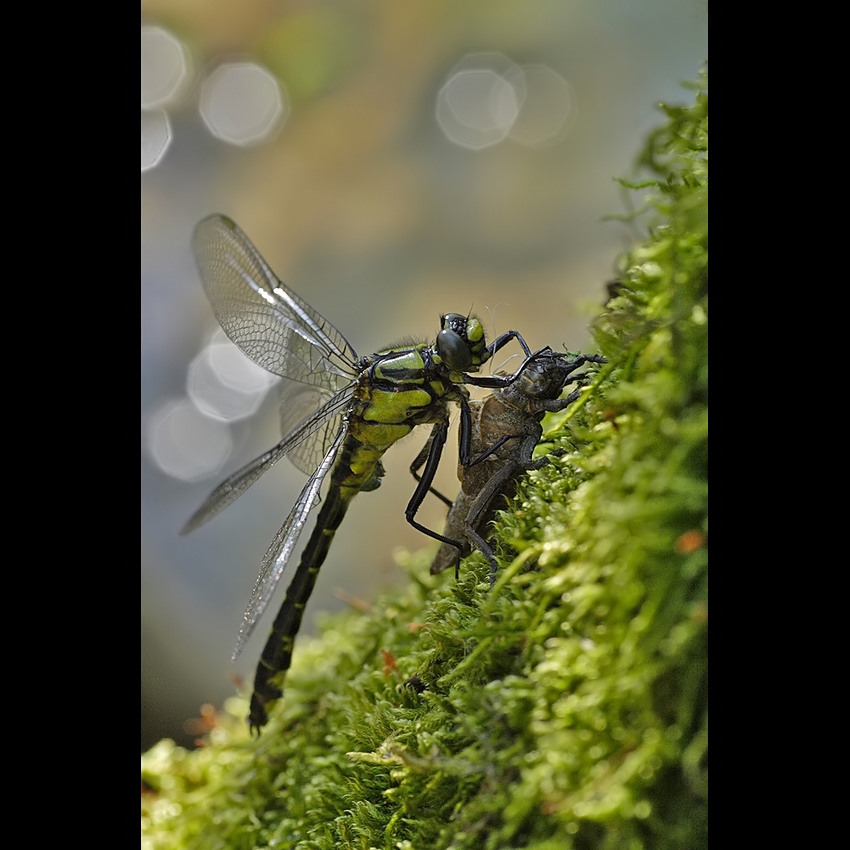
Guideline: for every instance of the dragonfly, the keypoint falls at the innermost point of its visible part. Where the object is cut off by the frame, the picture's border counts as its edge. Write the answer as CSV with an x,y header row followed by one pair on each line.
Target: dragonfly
x,y
340,412
505,429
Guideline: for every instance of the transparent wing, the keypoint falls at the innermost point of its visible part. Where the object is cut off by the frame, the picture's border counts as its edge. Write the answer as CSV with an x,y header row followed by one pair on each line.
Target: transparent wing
x,y
297,402
320,423
273,325
278,554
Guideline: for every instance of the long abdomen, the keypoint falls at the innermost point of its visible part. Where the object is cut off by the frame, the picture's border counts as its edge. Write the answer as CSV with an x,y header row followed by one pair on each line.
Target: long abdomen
x,y
277,653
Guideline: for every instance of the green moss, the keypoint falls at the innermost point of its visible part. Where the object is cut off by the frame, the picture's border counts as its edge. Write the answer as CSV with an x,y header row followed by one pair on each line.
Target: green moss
x,y
566,708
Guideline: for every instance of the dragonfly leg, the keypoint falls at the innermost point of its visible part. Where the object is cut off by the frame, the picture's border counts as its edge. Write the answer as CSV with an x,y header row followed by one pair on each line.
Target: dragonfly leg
x,y
499,381
504,339
435,444
420,459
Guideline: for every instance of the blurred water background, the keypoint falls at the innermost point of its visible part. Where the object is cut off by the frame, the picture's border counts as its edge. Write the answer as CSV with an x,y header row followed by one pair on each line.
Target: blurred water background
x,y
391,161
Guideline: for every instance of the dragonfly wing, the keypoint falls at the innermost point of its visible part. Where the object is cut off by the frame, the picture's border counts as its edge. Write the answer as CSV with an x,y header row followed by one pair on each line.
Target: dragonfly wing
x,y
278,554
320,423
273,325
297,402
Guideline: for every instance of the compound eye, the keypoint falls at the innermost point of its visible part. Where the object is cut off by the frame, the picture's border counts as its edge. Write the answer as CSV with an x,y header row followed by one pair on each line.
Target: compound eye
x,y
453,350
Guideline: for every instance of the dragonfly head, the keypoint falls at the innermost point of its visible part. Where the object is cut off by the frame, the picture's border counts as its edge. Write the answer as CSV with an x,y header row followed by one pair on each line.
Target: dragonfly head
x,y
460,342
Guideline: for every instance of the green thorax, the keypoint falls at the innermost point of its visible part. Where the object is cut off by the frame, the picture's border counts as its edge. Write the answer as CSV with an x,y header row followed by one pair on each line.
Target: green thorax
x,y
399,389
405,386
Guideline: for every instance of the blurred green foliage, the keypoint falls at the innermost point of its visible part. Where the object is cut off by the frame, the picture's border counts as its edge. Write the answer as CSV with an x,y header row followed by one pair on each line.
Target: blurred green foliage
x,y
567,707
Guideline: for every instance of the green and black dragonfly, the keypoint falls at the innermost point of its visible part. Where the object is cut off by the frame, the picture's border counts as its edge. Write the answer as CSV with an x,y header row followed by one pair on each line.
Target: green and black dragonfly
x,y
339,414
505,430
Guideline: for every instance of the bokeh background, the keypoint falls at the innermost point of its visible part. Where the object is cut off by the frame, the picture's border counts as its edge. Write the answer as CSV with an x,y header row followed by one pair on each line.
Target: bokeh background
x,y
392,160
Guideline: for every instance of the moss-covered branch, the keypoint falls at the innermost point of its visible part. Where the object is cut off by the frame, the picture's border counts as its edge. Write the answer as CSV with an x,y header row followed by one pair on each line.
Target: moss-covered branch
x,y
566,708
